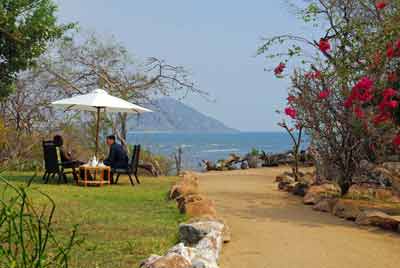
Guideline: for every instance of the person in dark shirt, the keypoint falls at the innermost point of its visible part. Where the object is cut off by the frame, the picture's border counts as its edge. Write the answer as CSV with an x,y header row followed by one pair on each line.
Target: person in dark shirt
x,y
117,157
66,157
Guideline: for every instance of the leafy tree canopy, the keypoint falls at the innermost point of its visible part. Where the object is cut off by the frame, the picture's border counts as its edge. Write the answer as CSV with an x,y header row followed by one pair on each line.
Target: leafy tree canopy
x,y
26,27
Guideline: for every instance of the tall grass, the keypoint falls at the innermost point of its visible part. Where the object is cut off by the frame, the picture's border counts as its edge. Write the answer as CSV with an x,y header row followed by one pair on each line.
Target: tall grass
x,y
27,239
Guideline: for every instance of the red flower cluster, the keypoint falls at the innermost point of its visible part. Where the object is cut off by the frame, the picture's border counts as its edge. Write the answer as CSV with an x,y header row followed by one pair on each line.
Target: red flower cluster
x,y
396,140
313,75
291,98
324,94
381,117
361,92
386,105
392,77
359,112
380,5
324,45
279,69
292,113
390,51
393,50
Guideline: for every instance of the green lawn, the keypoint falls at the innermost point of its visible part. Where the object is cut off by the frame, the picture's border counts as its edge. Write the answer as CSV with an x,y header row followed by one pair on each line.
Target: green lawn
x,y
121,225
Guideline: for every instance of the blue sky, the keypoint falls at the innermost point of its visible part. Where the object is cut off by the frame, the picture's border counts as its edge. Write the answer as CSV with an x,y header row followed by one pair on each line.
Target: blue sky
x,y
215,40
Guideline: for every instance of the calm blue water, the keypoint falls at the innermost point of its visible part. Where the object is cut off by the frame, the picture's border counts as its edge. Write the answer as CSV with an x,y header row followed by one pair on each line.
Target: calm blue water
x,y
211,146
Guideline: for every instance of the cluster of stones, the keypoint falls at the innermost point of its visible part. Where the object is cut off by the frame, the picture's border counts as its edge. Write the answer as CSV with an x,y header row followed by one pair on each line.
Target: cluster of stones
x,y
373,199
234,161
201,238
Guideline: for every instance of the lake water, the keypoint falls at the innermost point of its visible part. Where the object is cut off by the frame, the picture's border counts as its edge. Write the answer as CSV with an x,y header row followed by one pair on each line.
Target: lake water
x,y
211,146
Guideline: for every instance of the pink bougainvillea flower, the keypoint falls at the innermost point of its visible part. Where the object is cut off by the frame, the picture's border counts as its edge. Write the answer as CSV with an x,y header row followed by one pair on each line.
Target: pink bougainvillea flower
x,y
359,112
372,147
313,75
298,125
392,104
387,103
362,90
382,106
381,118
396,140
324,45
292,113
291,98
389,92
348,102
361,94
392,77
365,95
380,5
308,75
279,69
364,83
317,75
324,94
390,51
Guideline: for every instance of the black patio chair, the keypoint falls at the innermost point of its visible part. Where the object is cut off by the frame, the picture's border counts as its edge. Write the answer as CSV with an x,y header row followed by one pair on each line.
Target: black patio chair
x,y
52,163
132,167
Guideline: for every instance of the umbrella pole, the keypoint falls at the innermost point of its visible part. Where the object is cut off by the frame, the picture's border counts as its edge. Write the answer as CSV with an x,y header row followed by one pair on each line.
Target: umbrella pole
x,y
97,131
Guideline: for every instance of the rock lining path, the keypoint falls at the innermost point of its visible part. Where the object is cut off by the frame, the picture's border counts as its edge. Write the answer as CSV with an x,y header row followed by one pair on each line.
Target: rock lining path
x,y
271,229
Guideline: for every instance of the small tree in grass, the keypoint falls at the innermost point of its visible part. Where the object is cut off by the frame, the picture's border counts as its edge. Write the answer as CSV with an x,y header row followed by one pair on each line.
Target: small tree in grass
x,y
295,134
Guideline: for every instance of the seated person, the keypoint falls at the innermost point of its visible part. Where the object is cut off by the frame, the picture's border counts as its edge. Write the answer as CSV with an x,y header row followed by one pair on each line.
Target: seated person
x,y
66,157
117,157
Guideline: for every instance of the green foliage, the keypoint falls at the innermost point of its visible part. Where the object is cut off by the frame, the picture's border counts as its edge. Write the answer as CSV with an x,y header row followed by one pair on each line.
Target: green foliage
x,y
27,237
26,27
255,152
310,13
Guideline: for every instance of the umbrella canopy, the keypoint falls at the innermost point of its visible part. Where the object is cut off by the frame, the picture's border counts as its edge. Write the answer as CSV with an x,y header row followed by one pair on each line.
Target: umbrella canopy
x,y
99,98
99,101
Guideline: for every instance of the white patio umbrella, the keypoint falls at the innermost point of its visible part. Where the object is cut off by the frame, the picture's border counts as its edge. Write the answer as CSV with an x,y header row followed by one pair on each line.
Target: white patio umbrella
x,y
99,101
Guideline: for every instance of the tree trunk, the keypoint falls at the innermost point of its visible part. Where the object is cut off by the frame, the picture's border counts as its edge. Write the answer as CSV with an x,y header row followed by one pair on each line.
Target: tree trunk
x,y
124,122
121,130
178,161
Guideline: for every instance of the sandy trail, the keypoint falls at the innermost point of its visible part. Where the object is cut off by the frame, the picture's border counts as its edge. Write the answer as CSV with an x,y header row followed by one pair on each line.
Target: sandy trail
x,y
271,229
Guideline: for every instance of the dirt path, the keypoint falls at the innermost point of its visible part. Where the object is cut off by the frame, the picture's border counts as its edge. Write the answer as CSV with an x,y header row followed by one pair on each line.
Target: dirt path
x,y
271,229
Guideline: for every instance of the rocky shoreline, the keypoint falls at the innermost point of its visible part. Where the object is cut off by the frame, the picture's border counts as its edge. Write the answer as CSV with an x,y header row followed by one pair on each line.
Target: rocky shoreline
x,y
262,159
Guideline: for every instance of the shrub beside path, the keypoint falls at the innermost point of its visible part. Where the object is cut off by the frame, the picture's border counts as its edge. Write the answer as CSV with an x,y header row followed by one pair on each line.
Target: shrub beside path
x,y
272,229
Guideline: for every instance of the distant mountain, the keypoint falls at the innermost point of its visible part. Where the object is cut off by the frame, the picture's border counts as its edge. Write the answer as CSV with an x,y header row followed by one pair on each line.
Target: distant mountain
x,y
174,116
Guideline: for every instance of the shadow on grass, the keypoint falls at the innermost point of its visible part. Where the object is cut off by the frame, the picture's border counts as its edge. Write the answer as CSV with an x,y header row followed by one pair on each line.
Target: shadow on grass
x,y
35,177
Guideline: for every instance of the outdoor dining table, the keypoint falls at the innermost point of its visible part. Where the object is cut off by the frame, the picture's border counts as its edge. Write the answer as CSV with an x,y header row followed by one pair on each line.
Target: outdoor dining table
x,y
94,175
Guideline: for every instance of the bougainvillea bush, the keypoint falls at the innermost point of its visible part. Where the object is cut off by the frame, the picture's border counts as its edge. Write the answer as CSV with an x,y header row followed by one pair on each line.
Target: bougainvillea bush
x,y
345,87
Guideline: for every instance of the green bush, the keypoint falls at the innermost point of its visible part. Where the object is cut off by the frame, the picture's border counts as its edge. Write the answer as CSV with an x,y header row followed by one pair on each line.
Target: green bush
x,y
254,152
